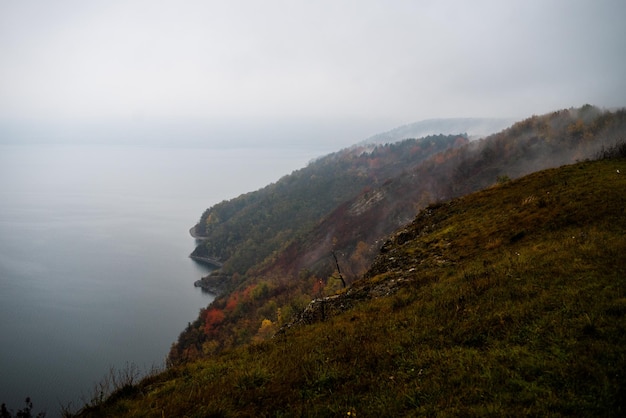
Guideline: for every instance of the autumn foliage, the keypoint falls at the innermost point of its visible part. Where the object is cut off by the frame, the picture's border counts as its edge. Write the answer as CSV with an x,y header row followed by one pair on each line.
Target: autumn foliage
x,y
212,319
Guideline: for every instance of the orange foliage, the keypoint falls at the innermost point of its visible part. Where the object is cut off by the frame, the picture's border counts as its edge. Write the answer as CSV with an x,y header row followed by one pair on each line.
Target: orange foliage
x,y
212,318
233,301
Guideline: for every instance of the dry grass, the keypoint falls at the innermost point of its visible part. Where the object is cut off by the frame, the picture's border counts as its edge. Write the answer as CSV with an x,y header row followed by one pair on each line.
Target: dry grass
x,y
523,313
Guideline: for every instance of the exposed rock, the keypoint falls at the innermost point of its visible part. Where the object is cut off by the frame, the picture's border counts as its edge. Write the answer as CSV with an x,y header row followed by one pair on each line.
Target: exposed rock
x,y
210,261
321,309
214,283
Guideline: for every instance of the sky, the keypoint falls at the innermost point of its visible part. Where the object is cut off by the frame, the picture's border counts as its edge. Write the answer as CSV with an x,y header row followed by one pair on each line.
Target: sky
x,y
293,72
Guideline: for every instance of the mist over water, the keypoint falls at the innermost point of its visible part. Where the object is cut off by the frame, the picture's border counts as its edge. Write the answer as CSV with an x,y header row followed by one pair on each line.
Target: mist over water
x,y
94,267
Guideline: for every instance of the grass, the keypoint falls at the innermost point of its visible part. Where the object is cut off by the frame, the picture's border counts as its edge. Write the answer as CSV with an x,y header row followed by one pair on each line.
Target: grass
x,y
516,305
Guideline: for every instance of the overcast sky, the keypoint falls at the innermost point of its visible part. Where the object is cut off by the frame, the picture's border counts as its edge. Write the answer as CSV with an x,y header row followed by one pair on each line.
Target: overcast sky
x,y
229,70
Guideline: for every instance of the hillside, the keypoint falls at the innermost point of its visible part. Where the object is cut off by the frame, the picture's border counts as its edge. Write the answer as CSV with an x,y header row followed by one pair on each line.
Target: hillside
x,y
508,301
244,231
272,291
536,143
348,201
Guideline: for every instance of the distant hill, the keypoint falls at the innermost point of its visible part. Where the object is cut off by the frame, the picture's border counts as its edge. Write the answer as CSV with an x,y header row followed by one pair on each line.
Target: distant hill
x,y
505,302
474,128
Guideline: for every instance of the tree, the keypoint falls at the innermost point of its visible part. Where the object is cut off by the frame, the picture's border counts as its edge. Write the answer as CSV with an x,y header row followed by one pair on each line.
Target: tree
x,y
212,318
343,282
266,330
21,413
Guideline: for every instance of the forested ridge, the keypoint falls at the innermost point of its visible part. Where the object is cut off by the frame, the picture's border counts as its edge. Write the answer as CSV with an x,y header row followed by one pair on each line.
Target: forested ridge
x,y
243,231
275,285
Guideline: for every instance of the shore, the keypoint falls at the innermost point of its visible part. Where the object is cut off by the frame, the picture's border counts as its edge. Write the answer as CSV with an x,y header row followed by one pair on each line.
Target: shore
x,y
207,260
193,233
214,283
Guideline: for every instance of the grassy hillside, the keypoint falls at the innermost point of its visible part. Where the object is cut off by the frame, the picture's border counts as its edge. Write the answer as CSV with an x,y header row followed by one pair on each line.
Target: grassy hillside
x,y
509,301
270,292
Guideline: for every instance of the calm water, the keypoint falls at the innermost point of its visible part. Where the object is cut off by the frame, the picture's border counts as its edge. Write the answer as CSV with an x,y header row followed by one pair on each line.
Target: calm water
x,y
94,267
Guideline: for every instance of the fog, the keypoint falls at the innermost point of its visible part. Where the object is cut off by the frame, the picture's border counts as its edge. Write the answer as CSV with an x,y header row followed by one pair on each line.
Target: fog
x,y
160,108
211,73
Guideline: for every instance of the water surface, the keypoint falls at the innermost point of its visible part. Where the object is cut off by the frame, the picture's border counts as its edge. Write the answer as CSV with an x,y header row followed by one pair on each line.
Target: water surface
x,y
94,267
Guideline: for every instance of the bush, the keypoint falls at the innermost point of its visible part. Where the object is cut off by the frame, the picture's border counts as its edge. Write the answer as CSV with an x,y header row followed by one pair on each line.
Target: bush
x,y
616,151
21,413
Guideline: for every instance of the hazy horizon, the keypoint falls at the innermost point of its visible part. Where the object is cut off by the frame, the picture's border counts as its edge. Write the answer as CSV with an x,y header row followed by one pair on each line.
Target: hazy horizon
x,y
295,73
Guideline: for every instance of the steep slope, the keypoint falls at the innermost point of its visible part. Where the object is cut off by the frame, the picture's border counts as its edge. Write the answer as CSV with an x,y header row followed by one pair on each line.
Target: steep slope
x,y
272,291
509,301
242,232
354,229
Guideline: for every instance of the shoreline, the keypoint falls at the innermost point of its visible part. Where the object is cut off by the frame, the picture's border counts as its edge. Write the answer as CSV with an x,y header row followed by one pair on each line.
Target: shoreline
x,y
215,283
192,232
207,260
213,262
